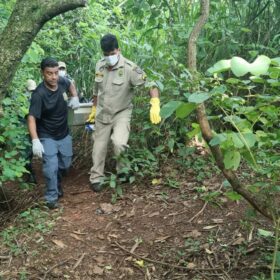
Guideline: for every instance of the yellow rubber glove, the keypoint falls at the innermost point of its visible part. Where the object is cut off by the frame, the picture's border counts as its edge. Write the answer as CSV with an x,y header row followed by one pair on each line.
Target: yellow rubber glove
x,y
155,110
91,117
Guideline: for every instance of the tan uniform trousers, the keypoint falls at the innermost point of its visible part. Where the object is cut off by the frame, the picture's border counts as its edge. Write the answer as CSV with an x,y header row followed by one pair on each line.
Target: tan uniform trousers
x,y
118,132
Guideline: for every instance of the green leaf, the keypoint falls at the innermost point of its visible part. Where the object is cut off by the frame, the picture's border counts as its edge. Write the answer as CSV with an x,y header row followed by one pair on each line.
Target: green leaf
x,y
218,139
257,79
184,110
277,276
119,190
113,184
218,90
265,233
233,81
250,139
237,142
169,108
198,97
171,144
232,195
220,66
276,61
195,131
232,159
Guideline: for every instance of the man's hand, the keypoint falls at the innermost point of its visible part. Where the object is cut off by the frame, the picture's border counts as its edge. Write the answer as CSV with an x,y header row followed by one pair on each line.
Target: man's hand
x,y
37,148
91,117
155,110
74,102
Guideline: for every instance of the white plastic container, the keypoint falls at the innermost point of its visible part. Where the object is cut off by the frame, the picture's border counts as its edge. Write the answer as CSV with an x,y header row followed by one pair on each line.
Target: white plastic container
x,y
80,115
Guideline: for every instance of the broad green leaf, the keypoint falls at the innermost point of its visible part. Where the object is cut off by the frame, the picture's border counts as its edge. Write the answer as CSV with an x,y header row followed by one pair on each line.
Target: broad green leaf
x,y
233,81
113,184
195,131
218,139
273,82
239,66
184,110
265,233
198,97
260,65
232,159
237,142
169,108
257,79
220,66
232,195
277,276
119,190
275,61
171,144
250,139
218,90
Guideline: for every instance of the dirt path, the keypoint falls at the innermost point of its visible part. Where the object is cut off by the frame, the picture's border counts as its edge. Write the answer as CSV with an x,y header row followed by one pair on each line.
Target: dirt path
x,y
151,233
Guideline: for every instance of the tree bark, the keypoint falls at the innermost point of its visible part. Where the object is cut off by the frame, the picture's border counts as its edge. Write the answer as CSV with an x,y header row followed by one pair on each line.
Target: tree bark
x,y
26,20
204,123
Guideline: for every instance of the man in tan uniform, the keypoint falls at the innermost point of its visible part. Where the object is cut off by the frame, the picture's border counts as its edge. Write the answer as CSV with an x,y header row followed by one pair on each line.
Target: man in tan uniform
x,y
115,76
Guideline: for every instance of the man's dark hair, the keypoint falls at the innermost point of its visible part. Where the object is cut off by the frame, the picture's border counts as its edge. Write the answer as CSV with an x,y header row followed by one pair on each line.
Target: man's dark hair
x,y
48,62
109,42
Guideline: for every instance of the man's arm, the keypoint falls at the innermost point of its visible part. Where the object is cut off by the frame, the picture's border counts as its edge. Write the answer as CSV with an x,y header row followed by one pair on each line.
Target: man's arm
x,y
154,92
74,100
94,100
73,90
31,122
37,147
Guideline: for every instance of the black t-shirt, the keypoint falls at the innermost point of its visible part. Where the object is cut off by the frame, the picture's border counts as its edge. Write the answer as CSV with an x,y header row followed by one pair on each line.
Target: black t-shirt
x,y
50,110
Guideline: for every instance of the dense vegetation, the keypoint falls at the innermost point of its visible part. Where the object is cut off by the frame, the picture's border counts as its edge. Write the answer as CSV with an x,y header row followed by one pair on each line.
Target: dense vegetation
x,y
244,111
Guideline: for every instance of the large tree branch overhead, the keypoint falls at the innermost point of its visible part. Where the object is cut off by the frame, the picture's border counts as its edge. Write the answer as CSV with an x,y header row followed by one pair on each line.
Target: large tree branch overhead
x,y
26,20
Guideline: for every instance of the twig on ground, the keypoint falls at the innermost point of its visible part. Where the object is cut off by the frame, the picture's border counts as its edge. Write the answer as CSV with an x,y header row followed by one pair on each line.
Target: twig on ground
x,y
164,263
203,208
199,212
79,261
54,266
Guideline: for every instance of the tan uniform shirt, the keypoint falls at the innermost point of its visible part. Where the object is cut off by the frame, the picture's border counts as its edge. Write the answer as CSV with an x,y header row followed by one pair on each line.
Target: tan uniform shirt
x,y
114,87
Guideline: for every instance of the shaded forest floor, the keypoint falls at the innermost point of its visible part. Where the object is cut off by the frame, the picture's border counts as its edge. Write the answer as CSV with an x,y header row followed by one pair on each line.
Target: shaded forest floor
x,y
185,230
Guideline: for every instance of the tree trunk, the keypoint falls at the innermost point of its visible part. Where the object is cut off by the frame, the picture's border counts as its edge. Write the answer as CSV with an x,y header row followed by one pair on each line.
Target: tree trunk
x,y
26,20
204,123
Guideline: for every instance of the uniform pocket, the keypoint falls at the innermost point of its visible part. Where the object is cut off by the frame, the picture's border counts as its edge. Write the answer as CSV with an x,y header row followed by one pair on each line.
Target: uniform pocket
x,y
98,79
117,85
118,82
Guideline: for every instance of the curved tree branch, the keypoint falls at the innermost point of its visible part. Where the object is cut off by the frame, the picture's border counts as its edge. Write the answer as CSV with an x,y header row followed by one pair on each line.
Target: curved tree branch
x,y
26,20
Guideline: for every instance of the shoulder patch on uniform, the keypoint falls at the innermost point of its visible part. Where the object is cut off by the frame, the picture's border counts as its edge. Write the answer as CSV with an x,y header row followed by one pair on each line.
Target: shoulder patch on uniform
x,y
99,74
120,72
138,70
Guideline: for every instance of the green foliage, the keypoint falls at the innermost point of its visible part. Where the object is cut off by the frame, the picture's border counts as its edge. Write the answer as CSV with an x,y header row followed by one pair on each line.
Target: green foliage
x,y
13,139
30,221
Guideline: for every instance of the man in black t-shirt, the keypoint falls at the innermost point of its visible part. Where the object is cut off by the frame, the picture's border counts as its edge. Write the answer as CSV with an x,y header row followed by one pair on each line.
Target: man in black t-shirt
x,y
47,124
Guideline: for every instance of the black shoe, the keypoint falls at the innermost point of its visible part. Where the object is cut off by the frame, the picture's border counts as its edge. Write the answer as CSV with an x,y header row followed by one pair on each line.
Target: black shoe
x,y
52,204
96,187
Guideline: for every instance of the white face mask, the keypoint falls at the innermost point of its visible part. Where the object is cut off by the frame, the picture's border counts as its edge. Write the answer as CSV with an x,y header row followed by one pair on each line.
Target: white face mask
x,y
112,59
62,73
